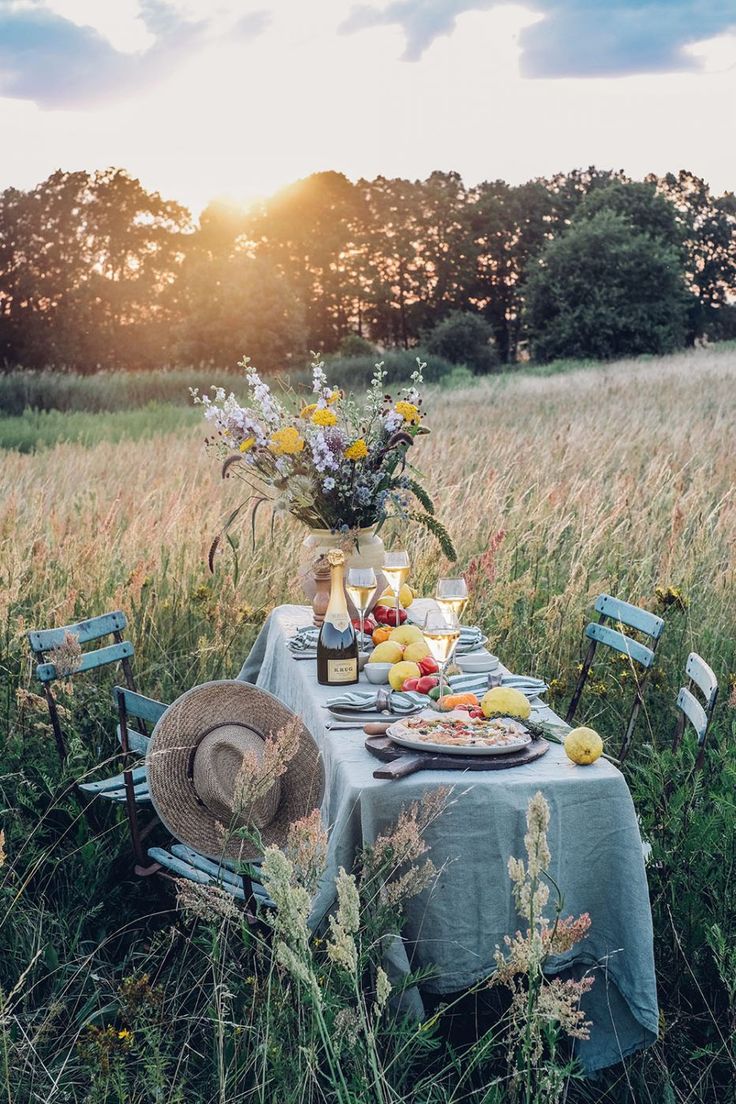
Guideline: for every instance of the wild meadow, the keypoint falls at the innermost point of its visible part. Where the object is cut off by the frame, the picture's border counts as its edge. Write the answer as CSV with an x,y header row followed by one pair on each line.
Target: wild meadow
x,y
618,478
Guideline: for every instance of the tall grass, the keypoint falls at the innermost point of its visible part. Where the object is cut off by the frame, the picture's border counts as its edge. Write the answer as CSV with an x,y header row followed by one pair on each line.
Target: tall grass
x,y
617,478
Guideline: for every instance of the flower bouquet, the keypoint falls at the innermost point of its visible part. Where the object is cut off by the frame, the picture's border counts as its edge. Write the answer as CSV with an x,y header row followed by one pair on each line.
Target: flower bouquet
x,y
334,463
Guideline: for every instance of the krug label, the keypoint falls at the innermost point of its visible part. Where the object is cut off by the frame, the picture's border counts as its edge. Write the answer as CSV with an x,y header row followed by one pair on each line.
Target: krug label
x,y
339,620
342,670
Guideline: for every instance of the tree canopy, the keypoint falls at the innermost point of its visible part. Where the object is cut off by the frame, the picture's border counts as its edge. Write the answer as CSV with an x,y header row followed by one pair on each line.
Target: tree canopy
x,y
97,272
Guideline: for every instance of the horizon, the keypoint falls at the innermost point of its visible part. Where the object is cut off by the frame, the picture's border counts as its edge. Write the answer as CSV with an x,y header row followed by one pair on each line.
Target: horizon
x,y
237,104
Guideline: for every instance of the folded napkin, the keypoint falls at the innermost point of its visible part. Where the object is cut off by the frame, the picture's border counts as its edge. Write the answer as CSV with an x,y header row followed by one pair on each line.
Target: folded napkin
x,y
407,701
304,643
399,702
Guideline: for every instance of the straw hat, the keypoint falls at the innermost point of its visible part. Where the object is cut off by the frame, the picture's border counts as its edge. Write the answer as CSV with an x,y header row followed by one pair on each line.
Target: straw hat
x,y
205,751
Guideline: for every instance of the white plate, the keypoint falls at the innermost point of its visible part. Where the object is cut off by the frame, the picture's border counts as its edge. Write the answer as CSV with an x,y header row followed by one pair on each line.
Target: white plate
x,y
404,736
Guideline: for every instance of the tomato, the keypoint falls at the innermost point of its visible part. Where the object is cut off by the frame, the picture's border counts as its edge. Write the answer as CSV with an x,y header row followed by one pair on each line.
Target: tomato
x,y
428,666
426,683
476,713
410,684
385,616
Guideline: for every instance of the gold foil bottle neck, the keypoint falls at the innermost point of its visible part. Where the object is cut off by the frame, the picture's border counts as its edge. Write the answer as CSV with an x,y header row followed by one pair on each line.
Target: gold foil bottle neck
x,y
336,556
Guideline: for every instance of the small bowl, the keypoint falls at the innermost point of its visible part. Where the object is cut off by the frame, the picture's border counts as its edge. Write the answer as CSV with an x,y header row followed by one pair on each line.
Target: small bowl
x,y
477,663
363,658
377,673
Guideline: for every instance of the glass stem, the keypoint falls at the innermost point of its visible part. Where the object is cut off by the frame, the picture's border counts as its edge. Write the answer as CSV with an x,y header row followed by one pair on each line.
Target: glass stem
x,y
362,627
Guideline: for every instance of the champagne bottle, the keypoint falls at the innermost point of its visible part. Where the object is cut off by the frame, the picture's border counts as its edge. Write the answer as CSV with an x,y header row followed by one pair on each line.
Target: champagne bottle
x,y
337,646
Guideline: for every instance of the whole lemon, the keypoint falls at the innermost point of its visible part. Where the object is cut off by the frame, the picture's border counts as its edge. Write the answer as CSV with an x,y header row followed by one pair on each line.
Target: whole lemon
x,y
386,652
400,672
406,596
406,634
504,699
583,745
418,649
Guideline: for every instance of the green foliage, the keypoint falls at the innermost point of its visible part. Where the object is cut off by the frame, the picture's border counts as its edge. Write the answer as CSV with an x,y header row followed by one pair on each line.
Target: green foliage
x,y
353,345
604,290
464,338
42,429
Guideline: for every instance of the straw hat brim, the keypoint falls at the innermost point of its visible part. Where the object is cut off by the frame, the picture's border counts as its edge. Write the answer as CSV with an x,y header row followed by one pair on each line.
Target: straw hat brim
x,y
170,757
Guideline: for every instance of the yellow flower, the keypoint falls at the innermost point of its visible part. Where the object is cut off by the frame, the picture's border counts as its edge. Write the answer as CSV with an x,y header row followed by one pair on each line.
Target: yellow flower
x,y
308,411
286,442
323,417
357,451
408,411
336,394
124,1034
247,444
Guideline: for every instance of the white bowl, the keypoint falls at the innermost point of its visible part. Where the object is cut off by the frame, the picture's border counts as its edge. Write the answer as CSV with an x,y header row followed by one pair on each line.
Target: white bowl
x,y
377,673
477,663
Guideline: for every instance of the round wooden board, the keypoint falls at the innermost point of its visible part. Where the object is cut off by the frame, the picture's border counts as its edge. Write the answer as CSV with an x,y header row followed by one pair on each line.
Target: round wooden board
x,y
401,761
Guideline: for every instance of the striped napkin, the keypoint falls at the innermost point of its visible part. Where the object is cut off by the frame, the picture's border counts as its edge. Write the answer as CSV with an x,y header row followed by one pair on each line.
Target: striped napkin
x,y
470,640
303,645
407,701
399,702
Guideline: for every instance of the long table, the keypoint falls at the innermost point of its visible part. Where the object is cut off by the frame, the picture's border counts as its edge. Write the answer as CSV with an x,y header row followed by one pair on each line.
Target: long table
x,y
456,925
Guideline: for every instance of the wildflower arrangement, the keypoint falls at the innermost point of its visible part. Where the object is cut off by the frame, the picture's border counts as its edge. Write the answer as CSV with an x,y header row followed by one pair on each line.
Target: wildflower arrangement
x,y
334,462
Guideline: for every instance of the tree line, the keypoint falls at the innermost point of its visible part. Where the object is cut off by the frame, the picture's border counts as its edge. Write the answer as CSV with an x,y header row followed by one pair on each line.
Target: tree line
x,y
96,272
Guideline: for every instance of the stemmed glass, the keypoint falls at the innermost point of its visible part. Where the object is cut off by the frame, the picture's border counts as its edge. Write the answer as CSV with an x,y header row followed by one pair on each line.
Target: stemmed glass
x,y
441,631
396,570
452,595
360,584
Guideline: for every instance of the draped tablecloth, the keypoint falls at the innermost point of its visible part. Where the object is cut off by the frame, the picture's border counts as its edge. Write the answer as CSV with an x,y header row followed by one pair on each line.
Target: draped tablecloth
x,y
456,924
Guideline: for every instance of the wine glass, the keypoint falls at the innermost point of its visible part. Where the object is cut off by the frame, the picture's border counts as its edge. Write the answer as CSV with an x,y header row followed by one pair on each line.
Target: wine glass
x,y
441,631
396,570
360,584
452,595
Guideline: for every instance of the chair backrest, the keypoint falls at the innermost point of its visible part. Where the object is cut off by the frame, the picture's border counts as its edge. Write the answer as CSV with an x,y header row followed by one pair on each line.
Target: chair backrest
x,y
43,642
613,614
701,676
623,613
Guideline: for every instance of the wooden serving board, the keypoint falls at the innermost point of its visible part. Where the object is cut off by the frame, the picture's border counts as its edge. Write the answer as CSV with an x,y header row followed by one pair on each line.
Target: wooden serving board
x,y
400,761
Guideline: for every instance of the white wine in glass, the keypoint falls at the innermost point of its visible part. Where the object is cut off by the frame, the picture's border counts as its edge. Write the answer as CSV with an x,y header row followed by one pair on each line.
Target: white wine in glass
x,y
396,570
441,630
360,585
452,596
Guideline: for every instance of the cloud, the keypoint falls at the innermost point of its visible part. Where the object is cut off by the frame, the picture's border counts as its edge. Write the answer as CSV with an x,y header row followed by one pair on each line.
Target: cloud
x,y
59,64
575,38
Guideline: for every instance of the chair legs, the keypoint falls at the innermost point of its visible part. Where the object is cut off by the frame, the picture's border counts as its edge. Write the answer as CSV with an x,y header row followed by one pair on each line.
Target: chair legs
x,y
585,671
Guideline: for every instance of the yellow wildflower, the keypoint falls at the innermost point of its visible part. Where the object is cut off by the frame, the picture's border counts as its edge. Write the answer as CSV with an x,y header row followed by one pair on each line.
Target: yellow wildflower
x,y
124,1034
408,411
336,394
324,417
357,451
247,444
286,441
307,411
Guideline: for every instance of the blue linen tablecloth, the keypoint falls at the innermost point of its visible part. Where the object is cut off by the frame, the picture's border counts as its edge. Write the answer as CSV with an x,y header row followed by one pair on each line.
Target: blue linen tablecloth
x,y
456,924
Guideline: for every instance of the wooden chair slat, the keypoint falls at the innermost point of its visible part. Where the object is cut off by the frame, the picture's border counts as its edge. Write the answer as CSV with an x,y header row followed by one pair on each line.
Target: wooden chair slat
x,y
216,870
138,774
191,873
41,640
138,705
703,677
694,712
630,615
603,634
46,672
137,742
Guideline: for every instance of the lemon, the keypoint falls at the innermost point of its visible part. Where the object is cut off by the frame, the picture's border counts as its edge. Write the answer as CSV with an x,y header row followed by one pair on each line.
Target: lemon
x,y
400,672
406,596
387,652
418,649
406,634
503,699
583,745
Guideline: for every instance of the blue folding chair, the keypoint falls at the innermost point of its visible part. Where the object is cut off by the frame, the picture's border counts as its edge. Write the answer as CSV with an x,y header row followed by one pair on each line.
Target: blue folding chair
x,y
614,612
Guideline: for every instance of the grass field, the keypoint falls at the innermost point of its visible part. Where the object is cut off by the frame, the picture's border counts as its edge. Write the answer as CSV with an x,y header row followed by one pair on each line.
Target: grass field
x,y
618,478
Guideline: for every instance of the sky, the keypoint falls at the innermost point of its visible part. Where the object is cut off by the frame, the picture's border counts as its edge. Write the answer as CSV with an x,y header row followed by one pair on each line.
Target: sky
x,y
236,98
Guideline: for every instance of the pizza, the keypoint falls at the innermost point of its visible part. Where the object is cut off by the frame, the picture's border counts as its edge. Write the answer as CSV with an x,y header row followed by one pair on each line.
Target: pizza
x,y
466,732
